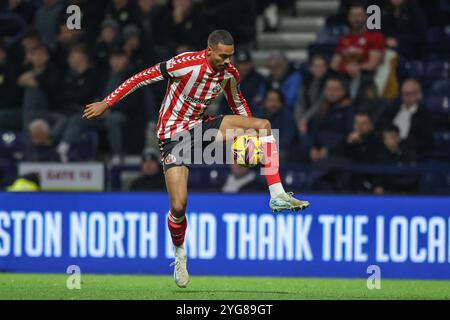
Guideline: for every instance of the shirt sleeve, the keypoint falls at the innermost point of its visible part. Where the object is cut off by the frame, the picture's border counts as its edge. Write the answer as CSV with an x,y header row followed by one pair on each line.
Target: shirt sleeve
x,y
145,77
235,99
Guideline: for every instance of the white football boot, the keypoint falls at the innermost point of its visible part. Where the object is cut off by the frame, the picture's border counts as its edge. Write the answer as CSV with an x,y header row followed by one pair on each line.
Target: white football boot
x,y
180,273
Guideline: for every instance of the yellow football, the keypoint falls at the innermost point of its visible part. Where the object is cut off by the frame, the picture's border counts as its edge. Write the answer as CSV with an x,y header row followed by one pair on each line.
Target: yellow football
x,y
247,151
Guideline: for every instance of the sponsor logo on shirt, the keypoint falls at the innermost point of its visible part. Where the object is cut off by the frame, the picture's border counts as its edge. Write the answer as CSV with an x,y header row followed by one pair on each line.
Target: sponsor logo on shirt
x,y
197,100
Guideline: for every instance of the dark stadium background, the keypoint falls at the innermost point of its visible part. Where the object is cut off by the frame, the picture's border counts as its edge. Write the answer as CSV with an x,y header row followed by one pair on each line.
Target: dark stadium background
x,y
366,141
142,33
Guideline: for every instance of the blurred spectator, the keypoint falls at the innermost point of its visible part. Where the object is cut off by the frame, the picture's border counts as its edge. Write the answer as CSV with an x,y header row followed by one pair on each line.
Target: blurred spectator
x,y
404,27
395,152
253,85
20,54
21,8
124,12
107,40
362,90
137,52
360,147
11,101
47,19
41,86
341,17
362,144
148,10
65,39
311,93
334,121
113,121
242,179
152,176
284,77
41,147
238,17
360,45
280,118
412,118
181,23
78,88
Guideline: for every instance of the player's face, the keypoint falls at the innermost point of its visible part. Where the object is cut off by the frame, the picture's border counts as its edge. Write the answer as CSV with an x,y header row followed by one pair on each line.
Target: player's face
x,y
220,56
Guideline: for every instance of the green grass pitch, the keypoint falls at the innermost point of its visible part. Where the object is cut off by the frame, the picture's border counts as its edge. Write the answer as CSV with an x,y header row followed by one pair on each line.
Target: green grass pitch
x,y
53,286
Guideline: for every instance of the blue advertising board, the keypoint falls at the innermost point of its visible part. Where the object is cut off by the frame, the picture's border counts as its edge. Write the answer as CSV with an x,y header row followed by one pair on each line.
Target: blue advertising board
x,y
338,236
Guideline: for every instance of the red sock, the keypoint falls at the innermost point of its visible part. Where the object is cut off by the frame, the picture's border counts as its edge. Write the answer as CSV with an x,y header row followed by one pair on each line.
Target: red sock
x,y
177,230
271,163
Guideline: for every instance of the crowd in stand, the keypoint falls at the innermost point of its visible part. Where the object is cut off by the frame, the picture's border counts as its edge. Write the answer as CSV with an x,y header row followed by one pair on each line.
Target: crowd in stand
x,y
351,104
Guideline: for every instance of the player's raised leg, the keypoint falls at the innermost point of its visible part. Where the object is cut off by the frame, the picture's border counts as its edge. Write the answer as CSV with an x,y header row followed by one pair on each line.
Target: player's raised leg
x,y
176,183
279,199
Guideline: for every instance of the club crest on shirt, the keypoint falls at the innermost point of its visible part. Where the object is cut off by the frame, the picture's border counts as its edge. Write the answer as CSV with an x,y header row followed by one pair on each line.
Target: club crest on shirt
x,y
169,159
196,84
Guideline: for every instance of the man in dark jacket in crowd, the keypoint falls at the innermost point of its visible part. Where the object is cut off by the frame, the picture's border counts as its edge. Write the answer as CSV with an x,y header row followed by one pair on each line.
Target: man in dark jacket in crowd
x,y
412,118
360,147
181,24
41,85
395,152
79,86
10,93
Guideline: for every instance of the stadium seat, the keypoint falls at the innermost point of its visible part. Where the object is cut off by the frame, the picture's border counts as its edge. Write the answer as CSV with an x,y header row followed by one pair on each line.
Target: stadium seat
x,y
433,182
441,146
86,148
326,50
441,87
436,70
438,103
410,69
11,145
438,42
331,34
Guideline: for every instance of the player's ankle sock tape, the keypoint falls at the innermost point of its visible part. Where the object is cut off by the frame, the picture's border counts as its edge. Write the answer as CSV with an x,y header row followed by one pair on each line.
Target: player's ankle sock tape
x,y
175,219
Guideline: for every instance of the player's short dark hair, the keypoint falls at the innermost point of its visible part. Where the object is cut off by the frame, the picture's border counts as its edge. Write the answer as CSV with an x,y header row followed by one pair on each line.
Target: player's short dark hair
x,y
220,36
391,128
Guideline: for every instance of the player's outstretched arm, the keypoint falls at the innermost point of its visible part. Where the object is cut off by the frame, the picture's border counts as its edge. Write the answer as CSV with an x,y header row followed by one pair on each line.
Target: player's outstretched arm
x,y
140,79
94,110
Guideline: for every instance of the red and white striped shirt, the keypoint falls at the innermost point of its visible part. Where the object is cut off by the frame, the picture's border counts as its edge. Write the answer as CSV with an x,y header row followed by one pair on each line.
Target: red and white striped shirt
x,y
193,85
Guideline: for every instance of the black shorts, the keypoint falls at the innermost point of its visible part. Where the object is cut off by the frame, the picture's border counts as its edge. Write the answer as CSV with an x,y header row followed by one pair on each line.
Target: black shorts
x,y
190,141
